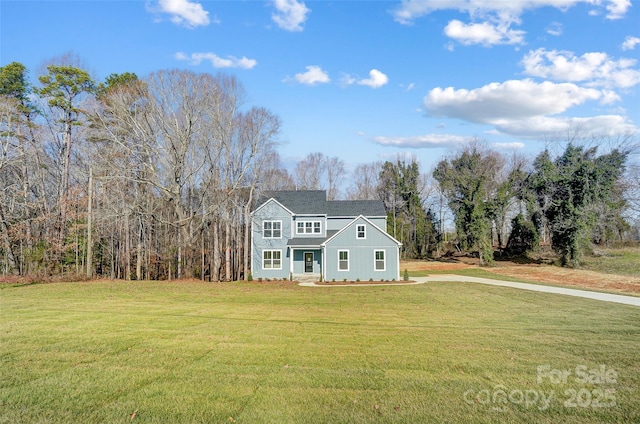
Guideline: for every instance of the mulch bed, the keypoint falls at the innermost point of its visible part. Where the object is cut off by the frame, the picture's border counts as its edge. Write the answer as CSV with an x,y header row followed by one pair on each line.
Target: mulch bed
x,y
361,283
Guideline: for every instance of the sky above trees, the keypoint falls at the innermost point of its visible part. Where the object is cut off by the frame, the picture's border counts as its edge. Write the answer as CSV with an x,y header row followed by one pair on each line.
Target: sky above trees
x,y
368,81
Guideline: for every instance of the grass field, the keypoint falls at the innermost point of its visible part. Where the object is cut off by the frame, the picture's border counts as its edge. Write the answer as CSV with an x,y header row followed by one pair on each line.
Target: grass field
x,y
624,261
172,352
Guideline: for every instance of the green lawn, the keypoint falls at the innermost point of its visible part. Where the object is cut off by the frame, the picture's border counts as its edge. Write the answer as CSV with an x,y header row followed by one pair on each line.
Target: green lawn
x,y
171,352
623,261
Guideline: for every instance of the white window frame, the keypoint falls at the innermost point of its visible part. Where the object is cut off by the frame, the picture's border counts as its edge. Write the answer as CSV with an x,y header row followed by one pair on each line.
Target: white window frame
x,y
264,230
364,231
375,260
271,259
308,227
340,260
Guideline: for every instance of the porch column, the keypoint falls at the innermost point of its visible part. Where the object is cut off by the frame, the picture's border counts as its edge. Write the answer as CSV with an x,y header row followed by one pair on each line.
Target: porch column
x,y
291,253
323,257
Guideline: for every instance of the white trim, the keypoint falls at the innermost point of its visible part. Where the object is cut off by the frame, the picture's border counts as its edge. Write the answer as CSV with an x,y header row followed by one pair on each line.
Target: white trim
x,y
272,259
398,264
271,199
384,260
253,252
364,231
345,228
348,260
323,261
291,251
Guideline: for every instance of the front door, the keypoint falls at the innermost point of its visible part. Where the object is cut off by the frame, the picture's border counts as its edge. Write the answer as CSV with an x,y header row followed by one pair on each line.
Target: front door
x,y
308,262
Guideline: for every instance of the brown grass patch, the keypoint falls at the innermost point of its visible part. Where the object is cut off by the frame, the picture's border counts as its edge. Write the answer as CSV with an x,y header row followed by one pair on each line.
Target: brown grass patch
x,y
548,274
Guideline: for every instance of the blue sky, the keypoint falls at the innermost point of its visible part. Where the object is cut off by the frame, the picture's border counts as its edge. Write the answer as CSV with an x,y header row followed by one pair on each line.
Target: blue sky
x,y
368,80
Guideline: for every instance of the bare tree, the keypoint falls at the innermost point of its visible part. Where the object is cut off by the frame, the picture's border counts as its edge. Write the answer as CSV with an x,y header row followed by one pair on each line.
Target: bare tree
x,y
364,184
319,172
308,172
335,175
181,136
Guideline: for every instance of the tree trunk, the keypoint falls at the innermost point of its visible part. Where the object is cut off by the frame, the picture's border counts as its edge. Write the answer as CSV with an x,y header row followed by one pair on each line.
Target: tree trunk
x,y
227,250
247,229
127,248
90,227
10,260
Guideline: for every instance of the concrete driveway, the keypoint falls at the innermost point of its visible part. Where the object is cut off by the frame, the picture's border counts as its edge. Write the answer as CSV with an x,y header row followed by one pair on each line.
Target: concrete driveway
x,y
605,297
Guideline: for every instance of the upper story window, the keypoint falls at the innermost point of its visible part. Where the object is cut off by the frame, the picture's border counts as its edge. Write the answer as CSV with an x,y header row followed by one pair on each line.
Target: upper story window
x,y
272,229
308,227
361,231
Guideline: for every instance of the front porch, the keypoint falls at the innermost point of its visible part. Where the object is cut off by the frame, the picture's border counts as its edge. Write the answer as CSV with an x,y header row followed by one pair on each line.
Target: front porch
x,y
306,262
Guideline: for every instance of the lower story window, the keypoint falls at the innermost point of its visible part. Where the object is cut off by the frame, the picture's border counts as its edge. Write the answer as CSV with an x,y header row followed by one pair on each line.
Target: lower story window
x,y
343,260
380,264
271,259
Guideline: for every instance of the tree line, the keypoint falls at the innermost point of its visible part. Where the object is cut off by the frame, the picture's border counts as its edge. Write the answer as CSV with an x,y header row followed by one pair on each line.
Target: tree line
x,y
155,178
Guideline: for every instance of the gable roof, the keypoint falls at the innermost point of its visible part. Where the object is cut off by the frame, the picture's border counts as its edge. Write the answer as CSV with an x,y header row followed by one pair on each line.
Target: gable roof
x,y
272,200
314,202
350,224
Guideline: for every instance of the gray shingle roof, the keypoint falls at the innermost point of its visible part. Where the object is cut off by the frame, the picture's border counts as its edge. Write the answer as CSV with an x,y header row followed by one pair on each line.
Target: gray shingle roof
x,y
300,201
304,202
355,208
310,241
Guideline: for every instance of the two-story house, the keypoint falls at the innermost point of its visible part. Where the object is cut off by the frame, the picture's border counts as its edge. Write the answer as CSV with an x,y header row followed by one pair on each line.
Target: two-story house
x,y
302,234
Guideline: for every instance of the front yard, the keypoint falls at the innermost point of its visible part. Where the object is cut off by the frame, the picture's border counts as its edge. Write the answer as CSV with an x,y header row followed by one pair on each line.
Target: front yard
x,y
276,352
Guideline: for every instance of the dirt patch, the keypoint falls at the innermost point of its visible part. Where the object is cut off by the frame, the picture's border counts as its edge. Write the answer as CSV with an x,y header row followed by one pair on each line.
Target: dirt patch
x,y
549,274
440,265
577,278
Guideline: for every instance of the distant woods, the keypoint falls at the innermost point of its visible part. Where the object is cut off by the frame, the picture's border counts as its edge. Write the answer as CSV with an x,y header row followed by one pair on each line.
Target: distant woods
x,y
155,177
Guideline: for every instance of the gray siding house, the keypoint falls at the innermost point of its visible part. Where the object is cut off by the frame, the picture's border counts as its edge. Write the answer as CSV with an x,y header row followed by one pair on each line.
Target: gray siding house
x,y
302,234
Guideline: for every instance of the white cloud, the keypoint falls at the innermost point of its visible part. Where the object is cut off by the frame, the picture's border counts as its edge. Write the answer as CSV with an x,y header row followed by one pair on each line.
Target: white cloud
x,y
347,79
423,141
525,108
216,61
617,8
511,100
509,146
376,79
491,20
409,86
314,75
409,10
185,12
596,68
630,43
290,14
483,33
555,29
545,126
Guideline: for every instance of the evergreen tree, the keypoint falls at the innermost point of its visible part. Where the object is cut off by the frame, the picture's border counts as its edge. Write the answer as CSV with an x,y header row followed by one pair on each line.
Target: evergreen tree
x,y
399,188
574,194
468,181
